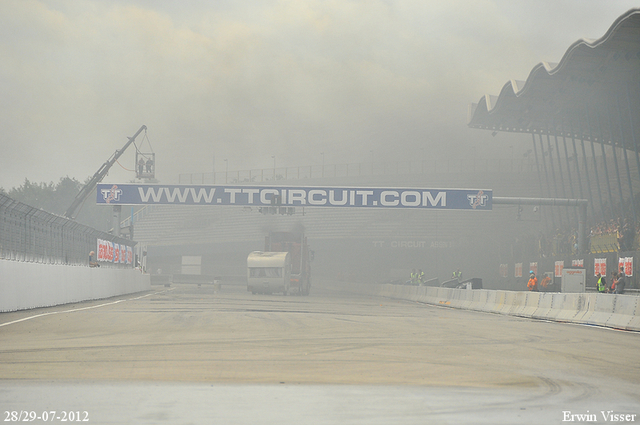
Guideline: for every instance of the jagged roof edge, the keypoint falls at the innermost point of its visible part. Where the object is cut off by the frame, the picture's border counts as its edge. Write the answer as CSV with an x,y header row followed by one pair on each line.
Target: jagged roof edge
x,y
549,68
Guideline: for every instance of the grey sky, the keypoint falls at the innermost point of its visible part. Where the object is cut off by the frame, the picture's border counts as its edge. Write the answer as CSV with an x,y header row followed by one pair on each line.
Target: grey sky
x,y
245,81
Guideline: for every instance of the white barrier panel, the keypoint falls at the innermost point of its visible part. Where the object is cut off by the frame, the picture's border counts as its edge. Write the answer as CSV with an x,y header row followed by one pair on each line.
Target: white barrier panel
x,y
441,296
421,294
531,304
498,303
507,304
446,294
519,303
432,295
623,311
492,300
634,324
456,299
408,292
396,291
467,298
415,293
387,290
32,285
479,299
405,291
588,308
463,297
602,310
616,311
557,301
571,304
544,306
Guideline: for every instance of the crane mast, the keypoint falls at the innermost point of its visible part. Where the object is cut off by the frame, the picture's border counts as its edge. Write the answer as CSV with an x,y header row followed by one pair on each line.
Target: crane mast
x,y
98,176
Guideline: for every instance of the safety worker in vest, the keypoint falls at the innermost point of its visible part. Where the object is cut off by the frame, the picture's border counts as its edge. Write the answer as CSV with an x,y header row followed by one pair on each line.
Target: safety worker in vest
x,y
621,283
614,280
456,274
420,277
532,285
545,283
412,279
602,284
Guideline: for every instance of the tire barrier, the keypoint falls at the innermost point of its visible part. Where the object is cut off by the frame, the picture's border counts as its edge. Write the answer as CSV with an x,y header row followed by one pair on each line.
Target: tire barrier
x,y
606,310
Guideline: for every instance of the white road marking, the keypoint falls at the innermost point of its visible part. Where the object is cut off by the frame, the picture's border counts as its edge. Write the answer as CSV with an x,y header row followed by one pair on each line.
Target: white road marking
x,y
80,309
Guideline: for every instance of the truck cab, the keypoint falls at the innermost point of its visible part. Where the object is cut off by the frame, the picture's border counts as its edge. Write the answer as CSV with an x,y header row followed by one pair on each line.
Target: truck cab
x,y
295,243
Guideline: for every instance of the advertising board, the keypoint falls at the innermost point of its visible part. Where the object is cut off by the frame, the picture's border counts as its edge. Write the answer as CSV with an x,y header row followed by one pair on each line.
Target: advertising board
x,y
361,197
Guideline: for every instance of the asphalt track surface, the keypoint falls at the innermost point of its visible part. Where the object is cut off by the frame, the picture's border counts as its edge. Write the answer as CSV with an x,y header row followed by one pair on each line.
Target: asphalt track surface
x,y
188,355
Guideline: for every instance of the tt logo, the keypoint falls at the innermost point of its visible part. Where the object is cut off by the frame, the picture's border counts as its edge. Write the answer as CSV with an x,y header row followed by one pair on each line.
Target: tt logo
x,y
112,194
479,200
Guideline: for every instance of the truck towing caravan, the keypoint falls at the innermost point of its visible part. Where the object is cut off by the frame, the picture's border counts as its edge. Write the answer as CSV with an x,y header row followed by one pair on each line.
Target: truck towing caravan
x,y
268,272
295,243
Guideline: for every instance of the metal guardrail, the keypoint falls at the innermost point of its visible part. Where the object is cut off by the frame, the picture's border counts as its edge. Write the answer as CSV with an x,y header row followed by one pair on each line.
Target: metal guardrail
x,y
359,169
136,216
33,235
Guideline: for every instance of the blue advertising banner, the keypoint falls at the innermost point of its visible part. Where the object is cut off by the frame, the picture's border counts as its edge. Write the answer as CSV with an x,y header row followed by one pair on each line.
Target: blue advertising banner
x,y
363,197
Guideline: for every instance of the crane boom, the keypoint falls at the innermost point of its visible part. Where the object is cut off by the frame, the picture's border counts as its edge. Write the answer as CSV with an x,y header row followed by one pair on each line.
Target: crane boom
x,y
98,176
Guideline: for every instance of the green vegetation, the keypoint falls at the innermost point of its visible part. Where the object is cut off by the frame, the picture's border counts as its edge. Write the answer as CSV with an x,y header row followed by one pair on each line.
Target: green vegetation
x,y
56,198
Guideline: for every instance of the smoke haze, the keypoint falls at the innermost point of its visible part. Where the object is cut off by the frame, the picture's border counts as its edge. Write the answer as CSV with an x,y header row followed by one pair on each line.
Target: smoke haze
x,y
243,84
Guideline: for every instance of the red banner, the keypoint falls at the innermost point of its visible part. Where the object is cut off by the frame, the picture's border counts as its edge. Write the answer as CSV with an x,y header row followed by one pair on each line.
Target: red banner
x,y
626,264
600,266
114,253
559,267
105,250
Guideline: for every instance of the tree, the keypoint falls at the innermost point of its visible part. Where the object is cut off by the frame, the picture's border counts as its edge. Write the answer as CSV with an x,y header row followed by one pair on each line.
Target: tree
x,y
57,198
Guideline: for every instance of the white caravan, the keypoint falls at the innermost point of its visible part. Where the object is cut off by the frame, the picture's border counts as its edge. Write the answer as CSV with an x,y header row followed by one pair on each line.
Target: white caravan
x,y
268,272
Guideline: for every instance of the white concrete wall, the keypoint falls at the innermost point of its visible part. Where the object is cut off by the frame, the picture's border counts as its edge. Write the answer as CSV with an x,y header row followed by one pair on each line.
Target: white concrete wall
x,y
31,285
608,310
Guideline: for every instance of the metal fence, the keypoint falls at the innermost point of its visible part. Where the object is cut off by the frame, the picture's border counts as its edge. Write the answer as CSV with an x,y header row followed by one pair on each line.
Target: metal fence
x,y
360,169
33,235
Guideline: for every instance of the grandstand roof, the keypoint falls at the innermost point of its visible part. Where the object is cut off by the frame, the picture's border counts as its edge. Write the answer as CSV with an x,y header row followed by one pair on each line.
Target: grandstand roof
x,y
593,93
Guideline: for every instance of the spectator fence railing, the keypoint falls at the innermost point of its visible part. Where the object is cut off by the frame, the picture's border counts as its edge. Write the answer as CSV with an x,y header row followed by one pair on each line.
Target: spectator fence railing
x,y
32,235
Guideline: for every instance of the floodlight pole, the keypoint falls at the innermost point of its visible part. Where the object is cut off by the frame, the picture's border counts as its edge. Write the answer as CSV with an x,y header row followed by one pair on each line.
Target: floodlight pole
x,y
117,219
557,202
